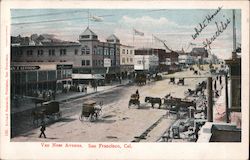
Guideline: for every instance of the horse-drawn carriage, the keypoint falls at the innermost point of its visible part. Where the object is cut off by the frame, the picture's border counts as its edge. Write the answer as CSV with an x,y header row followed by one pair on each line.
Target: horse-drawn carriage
x,y
181,81
176,104
172,80
199,89
50,110
141,79
90,110
134,99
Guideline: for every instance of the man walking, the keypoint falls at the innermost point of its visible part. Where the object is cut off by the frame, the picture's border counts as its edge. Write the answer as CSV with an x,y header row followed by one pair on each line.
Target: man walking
x,y
43,128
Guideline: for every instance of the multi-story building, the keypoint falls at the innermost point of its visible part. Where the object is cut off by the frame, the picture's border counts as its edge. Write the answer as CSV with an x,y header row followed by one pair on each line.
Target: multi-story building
x,y
127,55
167,60
86,57
146,63
33,77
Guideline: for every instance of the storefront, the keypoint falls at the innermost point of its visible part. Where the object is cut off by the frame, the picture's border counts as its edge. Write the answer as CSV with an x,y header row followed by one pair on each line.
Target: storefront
x,y
34,78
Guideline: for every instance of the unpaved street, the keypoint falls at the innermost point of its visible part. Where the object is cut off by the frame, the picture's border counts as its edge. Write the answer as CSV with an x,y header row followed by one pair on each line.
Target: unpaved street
x,y
117,122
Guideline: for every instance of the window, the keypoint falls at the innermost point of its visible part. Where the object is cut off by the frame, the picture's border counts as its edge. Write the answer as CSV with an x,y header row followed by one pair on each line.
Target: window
x,y
76,51
127,51
20,53
87,50
131,60
51,52
139,62
112,51
123,51
83,62
123,60
39,52
62,52
87,62
94,37
83,50
29,52
85,36
131,51
99,51
106,51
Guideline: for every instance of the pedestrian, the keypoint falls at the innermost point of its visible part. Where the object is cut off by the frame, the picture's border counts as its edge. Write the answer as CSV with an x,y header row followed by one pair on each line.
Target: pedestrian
x,y
215,85
43,128
220,80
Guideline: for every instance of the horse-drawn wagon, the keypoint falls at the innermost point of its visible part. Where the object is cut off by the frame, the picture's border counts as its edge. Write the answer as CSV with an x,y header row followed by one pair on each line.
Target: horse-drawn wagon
x,y
175,104
50,110
90,110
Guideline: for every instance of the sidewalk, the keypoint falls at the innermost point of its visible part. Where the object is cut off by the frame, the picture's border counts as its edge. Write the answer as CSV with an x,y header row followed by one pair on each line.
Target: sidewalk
x,y
27,104
219,109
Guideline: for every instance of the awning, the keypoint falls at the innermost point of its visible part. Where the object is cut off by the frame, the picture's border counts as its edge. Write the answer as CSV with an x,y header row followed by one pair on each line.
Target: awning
x,y
97,76
87,76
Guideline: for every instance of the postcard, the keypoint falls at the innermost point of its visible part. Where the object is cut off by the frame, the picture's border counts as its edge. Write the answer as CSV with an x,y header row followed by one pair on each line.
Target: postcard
x,y
124,79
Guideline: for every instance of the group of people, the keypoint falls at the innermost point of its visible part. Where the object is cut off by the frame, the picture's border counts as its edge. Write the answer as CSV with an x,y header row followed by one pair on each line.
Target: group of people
x,y
216,90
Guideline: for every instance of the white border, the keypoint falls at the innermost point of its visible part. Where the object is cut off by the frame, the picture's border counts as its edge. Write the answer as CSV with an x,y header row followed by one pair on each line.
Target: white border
x,y
27,150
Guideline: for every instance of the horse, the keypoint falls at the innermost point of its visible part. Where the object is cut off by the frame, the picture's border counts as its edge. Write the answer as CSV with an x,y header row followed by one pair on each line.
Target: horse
x,y
153,101
172,80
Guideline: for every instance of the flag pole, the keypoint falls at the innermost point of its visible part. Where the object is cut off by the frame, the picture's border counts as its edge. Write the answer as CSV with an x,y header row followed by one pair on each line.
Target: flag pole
x,y
133,37
88,18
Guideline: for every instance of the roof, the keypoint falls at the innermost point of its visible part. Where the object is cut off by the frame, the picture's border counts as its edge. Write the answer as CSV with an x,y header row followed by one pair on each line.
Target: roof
x,y
47,44
113,37
88,32
199,50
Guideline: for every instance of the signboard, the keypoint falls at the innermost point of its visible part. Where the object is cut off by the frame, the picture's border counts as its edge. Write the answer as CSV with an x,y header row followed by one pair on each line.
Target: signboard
x,y
64,66
22,68
107,62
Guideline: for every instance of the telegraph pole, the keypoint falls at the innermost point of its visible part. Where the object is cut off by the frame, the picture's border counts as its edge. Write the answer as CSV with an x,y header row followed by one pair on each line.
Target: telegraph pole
x,y
210,100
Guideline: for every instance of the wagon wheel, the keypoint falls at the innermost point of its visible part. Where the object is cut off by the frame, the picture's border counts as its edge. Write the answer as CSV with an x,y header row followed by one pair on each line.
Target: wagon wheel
x,y
138,103
81,117
92,117
129,103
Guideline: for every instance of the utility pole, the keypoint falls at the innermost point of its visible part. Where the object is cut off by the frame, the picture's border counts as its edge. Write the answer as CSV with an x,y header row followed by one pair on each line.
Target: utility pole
x,y
234,55
227,107
210,100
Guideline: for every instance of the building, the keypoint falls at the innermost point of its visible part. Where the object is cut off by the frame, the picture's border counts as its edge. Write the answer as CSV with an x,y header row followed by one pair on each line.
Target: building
x,y
35,77
185,60
127,55
199,54
86,56
146,63
167,60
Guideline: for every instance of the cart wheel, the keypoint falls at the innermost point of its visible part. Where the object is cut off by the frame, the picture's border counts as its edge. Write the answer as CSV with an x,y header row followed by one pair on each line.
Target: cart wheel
x,y
80,117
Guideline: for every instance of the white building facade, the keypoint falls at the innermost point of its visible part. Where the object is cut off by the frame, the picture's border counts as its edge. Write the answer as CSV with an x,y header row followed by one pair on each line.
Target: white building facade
x,y
146,62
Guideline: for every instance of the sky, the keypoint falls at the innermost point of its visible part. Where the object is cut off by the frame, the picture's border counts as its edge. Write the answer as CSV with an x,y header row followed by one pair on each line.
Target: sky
x,y
174,26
